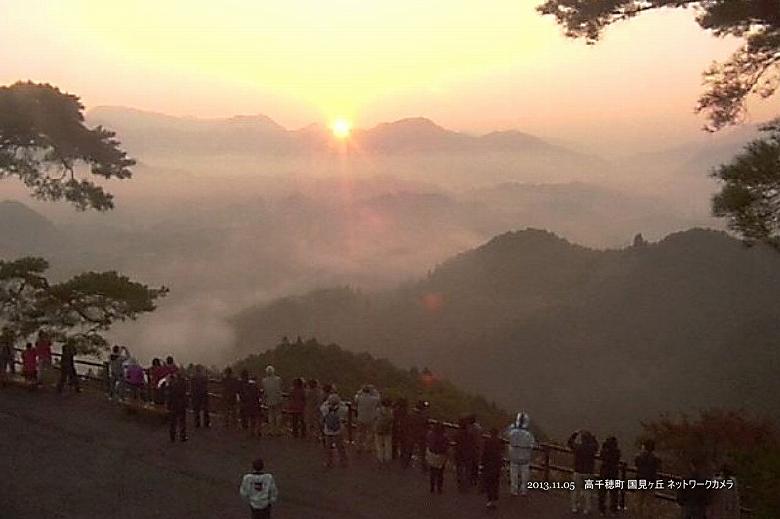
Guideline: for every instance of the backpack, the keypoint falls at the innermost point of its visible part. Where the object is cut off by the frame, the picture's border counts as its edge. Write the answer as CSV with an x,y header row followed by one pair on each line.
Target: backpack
x,y
332,420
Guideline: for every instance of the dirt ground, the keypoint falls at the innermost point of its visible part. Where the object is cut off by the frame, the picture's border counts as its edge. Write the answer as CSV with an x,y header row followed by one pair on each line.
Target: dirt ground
x,y
82,457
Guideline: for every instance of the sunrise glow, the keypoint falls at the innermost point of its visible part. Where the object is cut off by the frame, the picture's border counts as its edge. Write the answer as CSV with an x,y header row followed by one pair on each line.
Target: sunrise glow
x,y
341,128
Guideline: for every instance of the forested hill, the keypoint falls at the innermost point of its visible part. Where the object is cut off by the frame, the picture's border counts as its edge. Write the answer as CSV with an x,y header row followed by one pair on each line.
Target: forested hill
x,y
350,371
574,335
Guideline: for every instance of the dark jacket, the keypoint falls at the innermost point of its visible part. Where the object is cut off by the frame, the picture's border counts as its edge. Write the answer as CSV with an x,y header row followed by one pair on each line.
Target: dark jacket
x,y
437,443
465,446
230,390
68,354
610,460
250,398
400,422
177,395
297,401
694,498
647,466
418,425
492,457
584,452
200,388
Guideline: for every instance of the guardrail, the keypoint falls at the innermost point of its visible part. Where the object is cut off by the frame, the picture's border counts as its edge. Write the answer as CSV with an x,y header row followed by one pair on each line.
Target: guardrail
x,y
544,450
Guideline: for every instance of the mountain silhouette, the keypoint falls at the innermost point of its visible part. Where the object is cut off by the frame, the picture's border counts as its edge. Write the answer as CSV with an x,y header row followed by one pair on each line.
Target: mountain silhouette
x,y
578,337
24,231
148,132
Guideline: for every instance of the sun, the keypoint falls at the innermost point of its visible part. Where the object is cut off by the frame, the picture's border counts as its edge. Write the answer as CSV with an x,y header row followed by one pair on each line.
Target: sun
x,y
341,128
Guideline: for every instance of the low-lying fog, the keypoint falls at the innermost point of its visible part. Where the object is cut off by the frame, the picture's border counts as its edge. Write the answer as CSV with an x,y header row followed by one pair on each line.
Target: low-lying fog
x,y
226,225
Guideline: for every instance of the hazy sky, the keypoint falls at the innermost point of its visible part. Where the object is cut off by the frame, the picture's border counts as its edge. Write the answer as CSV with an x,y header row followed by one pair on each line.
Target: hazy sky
x,y
469,65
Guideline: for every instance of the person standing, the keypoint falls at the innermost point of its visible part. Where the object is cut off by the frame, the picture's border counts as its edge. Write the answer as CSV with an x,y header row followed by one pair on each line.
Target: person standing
x,y
419,429
68,368
30,364
296,405
401,434
6,356
258,489
312,418
725,501
407,432
334,412
610,469
155,375
367,402
43,355
465,454
383,432
134,379
169,367
116,374
520,449
648,465
250,405
200,398
243,382
475,430
272,391
436,457
177,406
694,499
584,446
491,467
230,391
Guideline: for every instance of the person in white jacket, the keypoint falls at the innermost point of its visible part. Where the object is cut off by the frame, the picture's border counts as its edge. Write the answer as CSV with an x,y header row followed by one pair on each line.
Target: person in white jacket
x,y
272,393
258,489
520,451
367,402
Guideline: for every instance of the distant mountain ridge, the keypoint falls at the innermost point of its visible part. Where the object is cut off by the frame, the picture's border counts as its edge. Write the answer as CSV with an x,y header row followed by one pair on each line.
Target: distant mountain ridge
x,y
149,132
24,231
577,336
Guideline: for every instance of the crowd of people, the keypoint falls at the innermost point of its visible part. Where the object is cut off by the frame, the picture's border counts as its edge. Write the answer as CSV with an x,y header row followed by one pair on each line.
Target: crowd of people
x,y
37,363
388,430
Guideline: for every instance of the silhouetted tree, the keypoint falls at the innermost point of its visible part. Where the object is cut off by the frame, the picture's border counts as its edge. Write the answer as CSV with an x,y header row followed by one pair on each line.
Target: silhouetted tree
x,y
639,240
750,197
753,69
79,309
45,144
750,445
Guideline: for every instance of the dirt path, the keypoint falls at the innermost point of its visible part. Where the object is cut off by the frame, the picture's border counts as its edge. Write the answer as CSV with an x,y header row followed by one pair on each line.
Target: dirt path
x,y
80,457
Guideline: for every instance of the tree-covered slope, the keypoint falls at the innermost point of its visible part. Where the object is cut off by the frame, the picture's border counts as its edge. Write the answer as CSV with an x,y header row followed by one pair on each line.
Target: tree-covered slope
x,y
578,337
331,364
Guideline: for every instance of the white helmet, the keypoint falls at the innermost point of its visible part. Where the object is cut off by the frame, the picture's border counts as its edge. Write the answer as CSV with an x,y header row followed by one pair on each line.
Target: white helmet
x,y
522,421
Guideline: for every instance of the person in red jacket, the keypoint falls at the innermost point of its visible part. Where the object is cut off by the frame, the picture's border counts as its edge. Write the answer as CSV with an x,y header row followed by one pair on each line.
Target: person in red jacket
x,y
43,354
29,363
